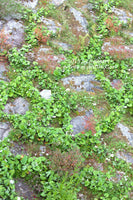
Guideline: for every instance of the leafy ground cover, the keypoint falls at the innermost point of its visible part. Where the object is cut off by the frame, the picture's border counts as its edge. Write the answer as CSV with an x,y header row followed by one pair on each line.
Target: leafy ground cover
x,y
71,166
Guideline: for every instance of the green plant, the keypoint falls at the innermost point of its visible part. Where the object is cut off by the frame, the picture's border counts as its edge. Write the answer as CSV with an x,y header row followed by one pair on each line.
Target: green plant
x,y
65,172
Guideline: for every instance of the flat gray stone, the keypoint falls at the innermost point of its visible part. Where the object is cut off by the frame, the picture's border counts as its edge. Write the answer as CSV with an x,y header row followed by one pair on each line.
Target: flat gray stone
x,y
82,20
19,106
46,94
128,33
117,84
30,3
124,50
17,148
63,45
1,24
80,83
4,130
42,150
125,156
44,49
51,24
15,32
126,132
57,2
23,189
79,123
2,70
124,16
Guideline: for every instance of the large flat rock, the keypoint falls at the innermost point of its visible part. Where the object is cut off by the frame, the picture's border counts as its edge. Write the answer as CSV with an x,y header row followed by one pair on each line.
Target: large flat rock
x,y
82,123
19,106
57,2
126,132
14,31
80,19
125,156
81,83
116,47
4,130
51,25
123,15
2,70
30,3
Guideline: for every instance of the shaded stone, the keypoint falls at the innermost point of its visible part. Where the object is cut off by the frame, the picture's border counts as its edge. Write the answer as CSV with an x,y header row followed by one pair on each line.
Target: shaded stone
x,y
119,175
2,70
128,33
30,56
117,84
15,32
44,49
19,106
30,3
42,150
4,130
82,82
82,21
125,156
115,47
51,25
17,149
98,166
81,196
89,6
64,46
46,94
124,16
24,190
57,2
126,132
46,56
1,24
79,123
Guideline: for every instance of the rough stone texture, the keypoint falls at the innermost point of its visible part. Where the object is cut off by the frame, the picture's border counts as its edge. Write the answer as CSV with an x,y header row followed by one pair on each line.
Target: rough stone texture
x,y
125,156
24,190
64,46
30,56
4,130
79,123
44,49
115,48
3,69
119,175
81,196
30,3
51,25
39,53
82,21
57,2
15,32
124,16
82,82
17,148
1,24
126,132
19,106
46,94
46,56
42,150
116,83
128,33
89,8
